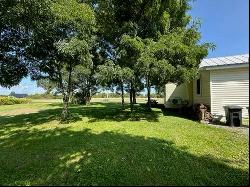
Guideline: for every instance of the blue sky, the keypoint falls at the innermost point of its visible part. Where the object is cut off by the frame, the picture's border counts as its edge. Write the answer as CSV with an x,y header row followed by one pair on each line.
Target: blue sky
x,y
224,23
26,86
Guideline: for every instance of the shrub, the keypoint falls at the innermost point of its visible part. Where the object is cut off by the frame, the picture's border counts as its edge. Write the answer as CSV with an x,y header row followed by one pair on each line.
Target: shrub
x,y
10,100
81,98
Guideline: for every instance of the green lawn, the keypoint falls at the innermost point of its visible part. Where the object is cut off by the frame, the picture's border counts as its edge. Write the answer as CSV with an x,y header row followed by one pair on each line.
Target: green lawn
x,y
103,145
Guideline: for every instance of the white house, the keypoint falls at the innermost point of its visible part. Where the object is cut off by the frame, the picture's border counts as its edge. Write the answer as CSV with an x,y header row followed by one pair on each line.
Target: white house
x,y
222,81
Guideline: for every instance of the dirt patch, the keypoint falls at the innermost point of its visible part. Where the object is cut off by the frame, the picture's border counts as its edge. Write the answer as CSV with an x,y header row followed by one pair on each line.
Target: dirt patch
x,y
19,111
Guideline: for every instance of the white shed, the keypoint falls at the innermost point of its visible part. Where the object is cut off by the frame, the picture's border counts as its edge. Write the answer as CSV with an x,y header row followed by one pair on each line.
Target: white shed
x,y
222,81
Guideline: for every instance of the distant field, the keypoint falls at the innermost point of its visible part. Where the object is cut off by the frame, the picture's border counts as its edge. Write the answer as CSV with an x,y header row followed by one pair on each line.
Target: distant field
x,y
46,100
104,100
139,100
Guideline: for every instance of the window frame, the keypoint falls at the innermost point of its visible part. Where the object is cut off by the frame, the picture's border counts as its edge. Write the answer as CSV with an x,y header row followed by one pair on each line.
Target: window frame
x,y
200,86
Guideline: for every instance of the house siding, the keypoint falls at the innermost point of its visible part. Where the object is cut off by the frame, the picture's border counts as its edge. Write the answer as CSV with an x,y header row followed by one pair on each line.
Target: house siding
x,y
204,97
229,87
183,91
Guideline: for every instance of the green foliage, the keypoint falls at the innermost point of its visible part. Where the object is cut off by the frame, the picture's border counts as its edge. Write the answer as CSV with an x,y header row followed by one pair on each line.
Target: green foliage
x,y
17,21
175,57
47,85
81,97
131,48
110,73
9,100
79,45
72,12
61,46
151,38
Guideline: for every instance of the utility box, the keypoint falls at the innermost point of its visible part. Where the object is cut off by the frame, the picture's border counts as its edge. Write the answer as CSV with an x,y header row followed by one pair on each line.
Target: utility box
x,y
234,115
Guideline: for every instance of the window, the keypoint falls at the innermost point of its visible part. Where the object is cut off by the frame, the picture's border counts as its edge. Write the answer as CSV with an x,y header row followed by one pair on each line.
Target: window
x,y
198,86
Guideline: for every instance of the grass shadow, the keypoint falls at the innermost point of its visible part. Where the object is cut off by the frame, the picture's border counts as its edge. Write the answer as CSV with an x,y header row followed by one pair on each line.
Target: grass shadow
x,y
66,157
94,112
176,113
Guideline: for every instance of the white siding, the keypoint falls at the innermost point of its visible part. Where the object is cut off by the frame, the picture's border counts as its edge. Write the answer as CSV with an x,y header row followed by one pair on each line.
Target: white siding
x,y
204,97
229,87
173,91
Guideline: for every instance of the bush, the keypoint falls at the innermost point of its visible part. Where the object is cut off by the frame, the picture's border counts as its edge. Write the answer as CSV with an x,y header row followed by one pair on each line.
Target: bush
x,y
81,98
10,100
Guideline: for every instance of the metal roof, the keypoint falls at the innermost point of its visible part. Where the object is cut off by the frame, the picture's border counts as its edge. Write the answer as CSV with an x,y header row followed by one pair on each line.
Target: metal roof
x,y
225,61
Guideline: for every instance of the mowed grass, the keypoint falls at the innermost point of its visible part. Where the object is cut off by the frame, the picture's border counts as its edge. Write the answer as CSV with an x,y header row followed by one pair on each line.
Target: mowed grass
x,y
103,145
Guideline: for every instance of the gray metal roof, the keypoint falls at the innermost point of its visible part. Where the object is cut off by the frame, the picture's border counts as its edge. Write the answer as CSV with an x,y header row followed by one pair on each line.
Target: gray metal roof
x,y
225,61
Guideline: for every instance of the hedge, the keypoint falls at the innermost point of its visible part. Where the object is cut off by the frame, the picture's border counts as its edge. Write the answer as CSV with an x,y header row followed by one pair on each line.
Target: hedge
x,y
10,100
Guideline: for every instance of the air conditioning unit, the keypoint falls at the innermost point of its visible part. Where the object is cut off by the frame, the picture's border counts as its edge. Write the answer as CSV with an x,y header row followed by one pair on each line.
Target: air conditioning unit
x,y
176,101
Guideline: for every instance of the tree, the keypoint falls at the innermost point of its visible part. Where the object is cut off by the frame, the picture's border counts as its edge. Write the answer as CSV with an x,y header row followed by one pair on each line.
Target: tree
x,y
123,77
61,46
129,51
110,74
47,85
12,93
152,38
67,42
124,25
175,58
16,21
87,83
115,18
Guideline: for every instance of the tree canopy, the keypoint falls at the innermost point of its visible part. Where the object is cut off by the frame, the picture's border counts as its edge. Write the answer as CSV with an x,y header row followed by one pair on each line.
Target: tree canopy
x,y
76,46
151,38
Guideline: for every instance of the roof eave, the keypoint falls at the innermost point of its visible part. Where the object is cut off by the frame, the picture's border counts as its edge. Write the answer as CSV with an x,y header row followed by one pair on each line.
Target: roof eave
x,y
226,66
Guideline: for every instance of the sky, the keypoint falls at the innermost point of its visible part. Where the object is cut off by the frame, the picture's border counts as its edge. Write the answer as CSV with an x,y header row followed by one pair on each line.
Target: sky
x,y
225,23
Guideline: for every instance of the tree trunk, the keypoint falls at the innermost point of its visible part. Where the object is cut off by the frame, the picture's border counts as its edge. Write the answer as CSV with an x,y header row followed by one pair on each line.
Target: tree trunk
x,y
122,89
88,100
66,97
131,98
88,96
134,96
148,89
65,112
